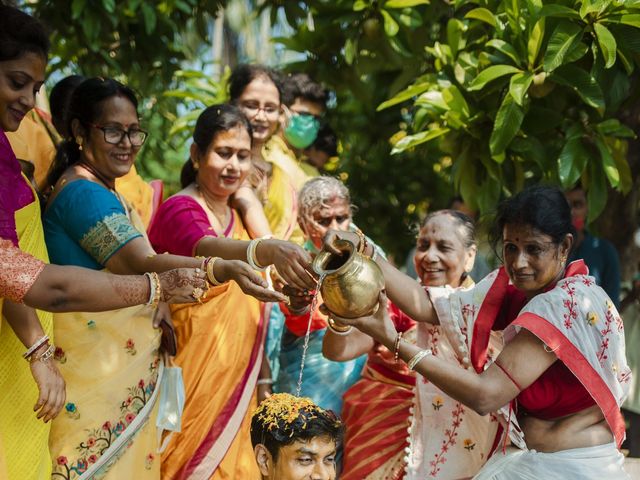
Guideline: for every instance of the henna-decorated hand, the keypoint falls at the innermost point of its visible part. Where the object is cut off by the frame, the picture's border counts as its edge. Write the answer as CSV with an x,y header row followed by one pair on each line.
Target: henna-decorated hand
x,y
183,285
51,386
299,300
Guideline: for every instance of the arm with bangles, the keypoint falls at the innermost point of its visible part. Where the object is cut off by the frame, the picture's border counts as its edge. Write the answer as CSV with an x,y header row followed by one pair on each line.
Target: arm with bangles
x,y
251,210
485,392
404,291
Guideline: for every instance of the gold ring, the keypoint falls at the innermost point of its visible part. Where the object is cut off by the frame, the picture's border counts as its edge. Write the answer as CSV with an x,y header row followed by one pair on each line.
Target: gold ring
x,y
197,293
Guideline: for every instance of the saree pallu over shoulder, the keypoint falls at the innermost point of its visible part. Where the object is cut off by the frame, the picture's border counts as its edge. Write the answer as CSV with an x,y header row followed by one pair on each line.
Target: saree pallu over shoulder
x,y
579,322
111,364
220,349
281,208
448,440
24,436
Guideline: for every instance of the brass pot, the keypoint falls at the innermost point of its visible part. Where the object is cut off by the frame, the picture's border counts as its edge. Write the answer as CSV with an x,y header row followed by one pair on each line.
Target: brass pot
x,y
352,282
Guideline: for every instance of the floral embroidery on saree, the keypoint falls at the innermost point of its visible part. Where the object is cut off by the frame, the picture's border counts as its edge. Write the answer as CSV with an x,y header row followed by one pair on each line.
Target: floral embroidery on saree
x,y
100,439
107,236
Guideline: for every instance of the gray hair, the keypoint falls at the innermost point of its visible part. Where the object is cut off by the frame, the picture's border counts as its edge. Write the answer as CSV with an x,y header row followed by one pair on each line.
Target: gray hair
x,y
317,193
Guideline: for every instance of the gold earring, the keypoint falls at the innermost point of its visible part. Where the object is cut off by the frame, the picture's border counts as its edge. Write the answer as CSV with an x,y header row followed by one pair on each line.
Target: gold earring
x,y
79,142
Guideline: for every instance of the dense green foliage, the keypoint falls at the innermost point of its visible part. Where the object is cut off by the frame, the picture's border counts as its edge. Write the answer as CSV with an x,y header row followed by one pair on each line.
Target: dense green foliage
x,y
432,99
142,44
478,97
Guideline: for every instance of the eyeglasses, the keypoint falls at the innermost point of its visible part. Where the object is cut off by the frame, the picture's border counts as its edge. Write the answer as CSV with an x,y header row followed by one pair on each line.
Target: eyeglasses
x,y
251,110
115,135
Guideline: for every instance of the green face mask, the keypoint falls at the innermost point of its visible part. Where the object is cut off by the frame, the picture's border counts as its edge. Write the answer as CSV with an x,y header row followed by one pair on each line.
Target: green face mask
x,y
302,130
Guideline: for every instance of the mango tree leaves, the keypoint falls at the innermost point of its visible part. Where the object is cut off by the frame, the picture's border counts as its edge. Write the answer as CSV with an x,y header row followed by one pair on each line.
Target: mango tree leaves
x,y
489,74
563,39
508,121
607,44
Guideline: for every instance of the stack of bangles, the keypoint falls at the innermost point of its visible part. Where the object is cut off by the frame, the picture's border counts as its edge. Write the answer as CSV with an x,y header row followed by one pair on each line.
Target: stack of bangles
x,y
33,355
251,254
155,289
415,359
207,266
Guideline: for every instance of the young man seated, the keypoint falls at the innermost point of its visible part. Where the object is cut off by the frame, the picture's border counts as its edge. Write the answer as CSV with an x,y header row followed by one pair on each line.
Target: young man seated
x,y
294,439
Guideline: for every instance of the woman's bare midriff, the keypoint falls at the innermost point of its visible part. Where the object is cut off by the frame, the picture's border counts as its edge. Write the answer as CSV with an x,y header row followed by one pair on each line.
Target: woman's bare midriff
x,y
586,428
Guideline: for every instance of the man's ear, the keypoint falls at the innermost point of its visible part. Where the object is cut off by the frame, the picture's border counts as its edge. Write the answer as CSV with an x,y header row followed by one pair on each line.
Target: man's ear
x,y
263,459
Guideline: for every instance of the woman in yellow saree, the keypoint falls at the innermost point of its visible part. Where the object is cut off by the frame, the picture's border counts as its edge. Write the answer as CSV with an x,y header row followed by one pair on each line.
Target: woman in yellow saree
x,y
110,360
220,360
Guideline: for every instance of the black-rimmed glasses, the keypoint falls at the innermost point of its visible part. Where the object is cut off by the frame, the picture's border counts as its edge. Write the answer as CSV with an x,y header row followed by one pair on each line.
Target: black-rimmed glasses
x,y
115,135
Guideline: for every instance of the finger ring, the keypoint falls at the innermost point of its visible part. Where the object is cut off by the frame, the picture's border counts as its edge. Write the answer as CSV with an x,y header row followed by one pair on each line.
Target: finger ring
x,y
197,270
197,293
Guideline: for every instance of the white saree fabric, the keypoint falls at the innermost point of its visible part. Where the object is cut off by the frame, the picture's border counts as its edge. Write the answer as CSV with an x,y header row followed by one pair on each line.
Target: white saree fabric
x,y
602,462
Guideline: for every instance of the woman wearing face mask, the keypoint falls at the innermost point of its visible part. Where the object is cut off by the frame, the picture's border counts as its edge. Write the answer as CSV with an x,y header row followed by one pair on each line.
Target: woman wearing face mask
x,y
558,383
376,443
256,90
224,357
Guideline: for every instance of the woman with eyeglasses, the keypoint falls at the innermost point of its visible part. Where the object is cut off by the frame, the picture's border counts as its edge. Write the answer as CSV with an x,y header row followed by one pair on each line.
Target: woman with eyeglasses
x,y
257,91
111,360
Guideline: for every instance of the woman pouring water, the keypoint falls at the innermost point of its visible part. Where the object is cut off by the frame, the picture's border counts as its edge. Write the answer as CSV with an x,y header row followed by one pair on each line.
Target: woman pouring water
x,y
559,381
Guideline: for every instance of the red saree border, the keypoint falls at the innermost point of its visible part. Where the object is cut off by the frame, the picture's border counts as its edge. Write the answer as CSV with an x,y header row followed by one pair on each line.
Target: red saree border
x,y
489,311
244,389
571,356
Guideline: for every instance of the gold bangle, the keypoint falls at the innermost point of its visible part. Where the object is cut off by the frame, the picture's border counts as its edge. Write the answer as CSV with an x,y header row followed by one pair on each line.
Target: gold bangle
x,y
363,240
396,347
211,278
337,328
157,291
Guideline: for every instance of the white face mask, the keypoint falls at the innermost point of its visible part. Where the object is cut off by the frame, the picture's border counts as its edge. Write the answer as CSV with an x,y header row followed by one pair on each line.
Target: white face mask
x,y
171,405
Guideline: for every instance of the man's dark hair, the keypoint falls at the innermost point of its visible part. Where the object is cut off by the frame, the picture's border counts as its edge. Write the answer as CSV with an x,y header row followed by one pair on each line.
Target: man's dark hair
x,y
300,85
283,418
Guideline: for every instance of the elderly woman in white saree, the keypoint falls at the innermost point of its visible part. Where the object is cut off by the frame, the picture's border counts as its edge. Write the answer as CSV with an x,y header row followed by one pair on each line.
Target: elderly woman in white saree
x,y
558,383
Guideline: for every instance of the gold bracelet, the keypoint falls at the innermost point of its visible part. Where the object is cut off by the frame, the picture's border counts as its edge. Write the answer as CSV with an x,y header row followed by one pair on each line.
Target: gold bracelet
x,y
211,278
44,356
338,329
396,347
363,240
157,294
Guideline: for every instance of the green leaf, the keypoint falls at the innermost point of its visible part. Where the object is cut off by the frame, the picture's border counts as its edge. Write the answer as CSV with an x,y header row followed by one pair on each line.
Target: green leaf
x,y
350,50
149,16
562,41
455,28
582,83
508,121
404,3
619,149
456,101
596,191
483,15
413,140
489,74
360,5
433,100
607,44
554,10
519,85
404,95
534,42
613,128
391,27
505,48
593,6
109,5
572,161
608,163
76,8
633,20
